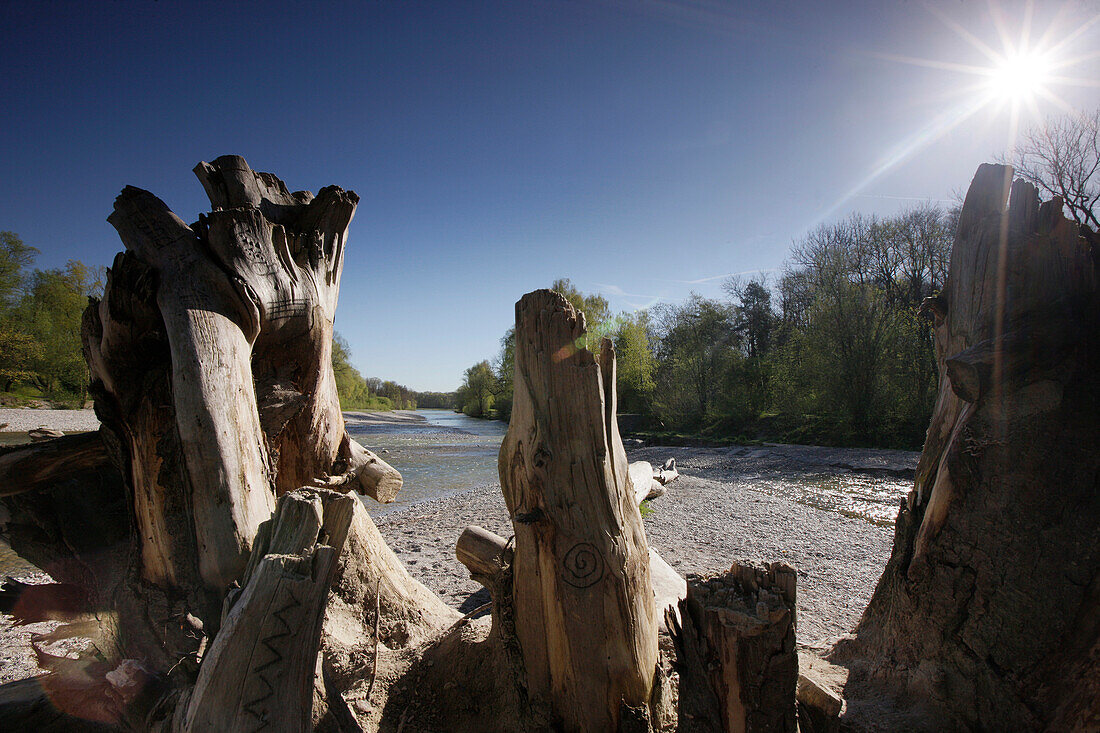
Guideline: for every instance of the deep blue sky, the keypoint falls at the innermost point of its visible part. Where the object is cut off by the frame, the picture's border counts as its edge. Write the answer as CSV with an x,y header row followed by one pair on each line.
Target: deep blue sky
x,y
637,148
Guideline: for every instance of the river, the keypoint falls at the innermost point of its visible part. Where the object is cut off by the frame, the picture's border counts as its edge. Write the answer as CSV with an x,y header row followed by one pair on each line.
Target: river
x,y
445,455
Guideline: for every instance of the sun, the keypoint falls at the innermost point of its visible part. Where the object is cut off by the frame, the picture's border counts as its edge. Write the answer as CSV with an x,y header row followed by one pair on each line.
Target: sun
x,y
1019,77
1012,84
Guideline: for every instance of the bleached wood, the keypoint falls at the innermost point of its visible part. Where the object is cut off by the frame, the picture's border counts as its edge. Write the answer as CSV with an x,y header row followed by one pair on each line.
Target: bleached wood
x,y
258,672
481,551
583,600
212,389
641,479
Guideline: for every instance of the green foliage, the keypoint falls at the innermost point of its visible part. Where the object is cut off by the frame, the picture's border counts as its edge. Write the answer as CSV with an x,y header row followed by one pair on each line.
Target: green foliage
x,y
636,363
18,353
698,347
597,313
504,370
435,400
358,393
14,257
833,353
50,313
475,396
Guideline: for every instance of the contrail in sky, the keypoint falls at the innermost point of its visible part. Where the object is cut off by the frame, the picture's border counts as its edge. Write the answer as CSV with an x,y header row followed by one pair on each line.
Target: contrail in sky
x,y
728,274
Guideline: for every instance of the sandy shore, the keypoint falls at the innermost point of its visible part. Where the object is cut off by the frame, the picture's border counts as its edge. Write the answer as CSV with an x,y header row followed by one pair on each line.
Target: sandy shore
x,y
20,420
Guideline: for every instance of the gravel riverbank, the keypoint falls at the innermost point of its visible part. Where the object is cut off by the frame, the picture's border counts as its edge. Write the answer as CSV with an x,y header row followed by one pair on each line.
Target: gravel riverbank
x,y
20,420
759,504
718,511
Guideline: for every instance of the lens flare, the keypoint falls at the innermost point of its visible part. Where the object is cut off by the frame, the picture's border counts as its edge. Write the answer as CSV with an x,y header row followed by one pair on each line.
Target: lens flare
x,y
1019,77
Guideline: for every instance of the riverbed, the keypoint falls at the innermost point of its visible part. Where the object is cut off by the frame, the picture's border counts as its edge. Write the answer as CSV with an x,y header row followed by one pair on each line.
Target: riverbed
x,y
442,454
826,511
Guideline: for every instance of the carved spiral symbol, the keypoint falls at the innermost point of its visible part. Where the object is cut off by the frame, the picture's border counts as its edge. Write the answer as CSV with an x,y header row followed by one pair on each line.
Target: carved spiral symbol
x,y
582,566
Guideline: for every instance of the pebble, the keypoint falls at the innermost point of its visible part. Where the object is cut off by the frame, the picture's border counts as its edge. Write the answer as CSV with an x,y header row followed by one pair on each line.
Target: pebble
x,y
21,420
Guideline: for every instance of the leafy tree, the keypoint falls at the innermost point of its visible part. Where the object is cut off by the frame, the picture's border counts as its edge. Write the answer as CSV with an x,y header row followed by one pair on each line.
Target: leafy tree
x,y
14,257
753,317
636,363
435,400
477,390
697,345
350,385
597,313
504,371
51,311
18,354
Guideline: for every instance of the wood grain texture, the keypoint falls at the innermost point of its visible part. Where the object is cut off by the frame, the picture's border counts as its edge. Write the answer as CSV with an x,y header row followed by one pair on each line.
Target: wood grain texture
x,y
735,639
258,673
988,612
582,595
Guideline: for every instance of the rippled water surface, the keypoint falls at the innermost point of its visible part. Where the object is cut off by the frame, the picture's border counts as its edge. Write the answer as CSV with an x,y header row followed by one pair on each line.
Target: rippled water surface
x,y
446,455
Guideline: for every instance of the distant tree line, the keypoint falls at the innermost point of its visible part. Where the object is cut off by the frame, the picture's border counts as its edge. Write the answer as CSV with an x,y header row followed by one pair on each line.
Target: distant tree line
x,y
367,393
40,317
832,351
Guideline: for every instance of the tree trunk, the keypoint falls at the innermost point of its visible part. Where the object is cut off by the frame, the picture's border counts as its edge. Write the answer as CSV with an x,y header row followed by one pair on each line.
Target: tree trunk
x,y
210,360
582,597
735,642
989,608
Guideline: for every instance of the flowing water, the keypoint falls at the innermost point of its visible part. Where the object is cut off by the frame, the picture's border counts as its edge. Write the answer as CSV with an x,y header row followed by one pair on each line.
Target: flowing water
x,y
445,455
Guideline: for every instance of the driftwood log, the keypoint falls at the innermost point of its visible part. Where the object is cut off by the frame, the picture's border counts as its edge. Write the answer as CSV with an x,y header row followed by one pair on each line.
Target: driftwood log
x,y
204,549
581,580
988,613
210,356
28,467
650,482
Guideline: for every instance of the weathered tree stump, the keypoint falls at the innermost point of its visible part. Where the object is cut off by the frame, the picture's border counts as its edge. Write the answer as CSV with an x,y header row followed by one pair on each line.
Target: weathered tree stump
x,y
987,613
581,590
210,356
258,672
735,642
